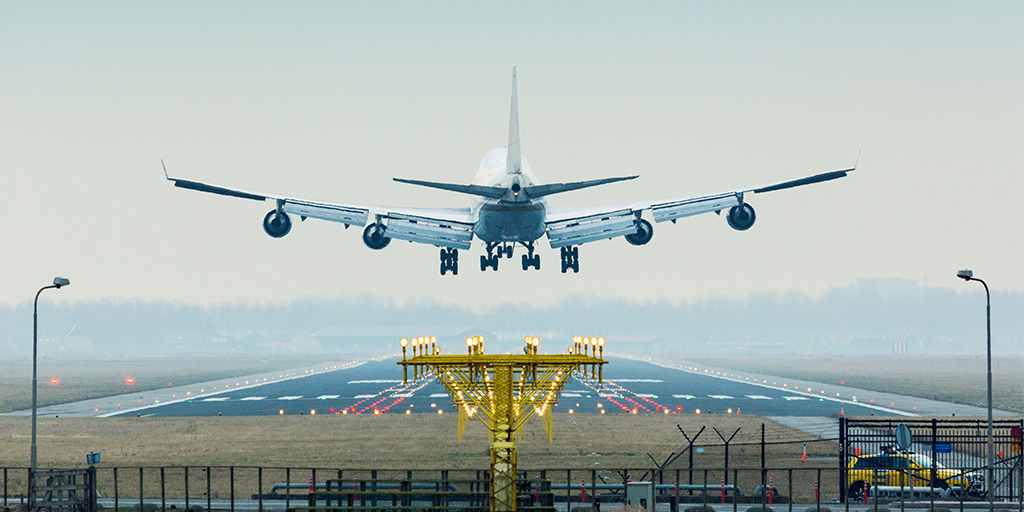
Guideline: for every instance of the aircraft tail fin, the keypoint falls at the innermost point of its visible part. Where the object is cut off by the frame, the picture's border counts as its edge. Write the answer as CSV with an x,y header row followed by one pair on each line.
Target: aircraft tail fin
x,y
513,159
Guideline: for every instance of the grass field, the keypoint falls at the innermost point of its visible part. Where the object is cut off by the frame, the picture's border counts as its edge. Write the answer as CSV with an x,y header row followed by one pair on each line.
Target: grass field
x,y
82,380
949,379
391,441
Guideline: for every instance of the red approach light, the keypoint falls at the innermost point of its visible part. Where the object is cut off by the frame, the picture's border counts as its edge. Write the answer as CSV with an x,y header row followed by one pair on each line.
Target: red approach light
x,y
170,383
842,382
332,409
129,381
54,382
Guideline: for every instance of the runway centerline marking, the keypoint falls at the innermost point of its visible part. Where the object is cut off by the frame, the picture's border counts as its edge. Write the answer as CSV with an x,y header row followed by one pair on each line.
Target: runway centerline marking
x,y
327,397
292,397
721,397
253,398
688,397
759,397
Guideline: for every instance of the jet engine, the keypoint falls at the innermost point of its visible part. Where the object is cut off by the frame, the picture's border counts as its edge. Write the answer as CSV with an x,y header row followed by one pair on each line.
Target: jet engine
x,y
644,232
277,224
373,236
741,217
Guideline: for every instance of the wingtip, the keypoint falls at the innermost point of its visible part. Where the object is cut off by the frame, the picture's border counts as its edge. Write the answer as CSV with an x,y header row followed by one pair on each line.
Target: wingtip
x,y
857,161
165,169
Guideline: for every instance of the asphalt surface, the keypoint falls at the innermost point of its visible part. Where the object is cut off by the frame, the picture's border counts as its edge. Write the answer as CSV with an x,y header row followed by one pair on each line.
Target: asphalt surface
x,y
372,387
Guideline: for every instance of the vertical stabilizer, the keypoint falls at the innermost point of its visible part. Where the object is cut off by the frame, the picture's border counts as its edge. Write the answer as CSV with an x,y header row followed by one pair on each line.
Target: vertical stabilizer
x,y
513,159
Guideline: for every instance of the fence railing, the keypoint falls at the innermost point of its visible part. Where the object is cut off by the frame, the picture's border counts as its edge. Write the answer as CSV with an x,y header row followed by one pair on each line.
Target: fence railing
x,y
247,488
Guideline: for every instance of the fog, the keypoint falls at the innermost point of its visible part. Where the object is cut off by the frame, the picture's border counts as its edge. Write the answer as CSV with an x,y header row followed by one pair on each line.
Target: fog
x,y
871,316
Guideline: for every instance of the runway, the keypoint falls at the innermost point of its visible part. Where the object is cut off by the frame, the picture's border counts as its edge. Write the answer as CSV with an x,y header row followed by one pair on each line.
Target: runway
x,y
631,386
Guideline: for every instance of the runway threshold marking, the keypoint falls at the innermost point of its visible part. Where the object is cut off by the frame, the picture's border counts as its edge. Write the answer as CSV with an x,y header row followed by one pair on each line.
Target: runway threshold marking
x,y
347,366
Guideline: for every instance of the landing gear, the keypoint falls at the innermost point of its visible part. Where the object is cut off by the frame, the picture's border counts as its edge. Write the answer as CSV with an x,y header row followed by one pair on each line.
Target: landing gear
x,y
491,260
449,261
530,259
570,259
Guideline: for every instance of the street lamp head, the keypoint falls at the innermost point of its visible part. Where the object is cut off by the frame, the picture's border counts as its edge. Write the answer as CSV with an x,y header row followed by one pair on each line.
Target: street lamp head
x,y
965,274
61,281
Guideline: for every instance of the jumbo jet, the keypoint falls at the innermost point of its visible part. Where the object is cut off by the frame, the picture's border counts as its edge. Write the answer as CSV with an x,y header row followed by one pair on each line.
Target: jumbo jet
x,y
509,209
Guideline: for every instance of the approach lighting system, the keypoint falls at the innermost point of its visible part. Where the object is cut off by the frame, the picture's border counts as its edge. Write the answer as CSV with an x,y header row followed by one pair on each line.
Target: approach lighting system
x,y
503,391
54,382
129,381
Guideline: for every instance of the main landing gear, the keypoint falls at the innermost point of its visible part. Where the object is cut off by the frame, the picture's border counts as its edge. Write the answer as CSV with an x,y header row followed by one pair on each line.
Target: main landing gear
x,y
498,250
491,260
570,259
449,261
530,259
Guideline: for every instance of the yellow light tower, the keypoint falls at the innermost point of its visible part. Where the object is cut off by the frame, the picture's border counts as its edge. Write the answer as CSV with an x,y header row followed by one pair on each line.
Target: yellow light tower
x,y
503,391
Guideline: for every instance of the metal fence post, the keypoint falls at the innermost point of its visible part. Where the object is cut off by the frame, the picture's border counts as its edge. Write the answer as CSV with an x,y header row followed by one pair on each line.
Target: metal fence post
x,y
163,493
142,503
842,463
209,496
186,488
287,487
735,482
259,486
115,488
232,488
789,489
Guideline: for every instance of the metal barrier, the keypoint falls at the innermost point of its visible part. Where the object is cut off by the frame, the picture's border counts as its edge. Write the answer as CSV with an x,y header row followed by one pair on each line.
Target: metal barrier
x,y
235,488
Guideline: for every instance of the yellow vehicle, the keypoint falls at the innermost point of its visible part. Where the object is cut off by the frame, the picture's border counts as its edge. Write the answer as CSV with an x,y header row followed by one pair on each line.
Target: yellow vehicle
x,y
906,469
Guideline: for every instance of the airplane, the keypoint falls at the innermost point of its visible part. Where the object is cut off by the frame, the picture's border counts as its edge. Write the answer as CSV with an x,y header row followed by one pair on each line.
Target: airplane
x,y
509,208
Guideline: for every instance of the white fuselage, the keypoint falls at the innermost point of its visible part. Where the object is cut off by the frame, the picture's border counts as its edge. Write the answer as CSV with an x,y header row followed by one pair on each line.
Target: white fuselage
x,y
513,218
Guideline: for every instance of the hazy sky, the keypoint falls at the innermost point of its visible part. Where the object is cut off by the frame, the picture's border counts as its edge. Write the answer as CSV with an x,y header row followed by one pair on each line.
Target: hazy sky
x,y
331,100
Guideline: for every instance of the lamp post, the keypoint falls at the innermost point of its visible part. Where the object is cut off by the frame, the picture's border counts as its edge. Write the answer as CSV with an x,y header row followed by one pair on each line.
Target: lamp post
x,y
57,283
968,275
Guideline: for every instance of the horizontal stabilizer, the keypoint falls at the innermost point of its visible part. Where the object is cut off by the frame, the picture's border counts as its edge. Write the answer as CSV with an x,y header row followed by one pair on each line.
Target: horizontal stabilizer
x,y
817,178
203,187
536,191
476,190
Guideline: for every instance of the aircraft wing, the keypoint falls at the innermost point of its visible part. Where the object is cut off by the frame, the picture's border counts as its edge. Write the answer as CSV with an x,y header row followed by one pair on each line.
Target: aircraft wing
x,y
578,225
441,227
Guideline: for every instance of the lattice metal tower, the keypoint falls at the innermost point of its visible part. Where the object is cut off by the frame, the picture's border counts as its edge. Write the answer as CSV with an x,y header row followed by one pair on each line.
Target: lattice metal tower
x,y
503,391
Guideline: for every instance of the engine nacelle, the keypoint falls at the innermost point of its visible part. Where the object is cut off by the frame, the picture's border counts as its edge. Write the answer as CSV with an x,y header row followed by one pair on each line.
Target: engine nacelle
x,y
373,236
277,224
644,232
741,217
